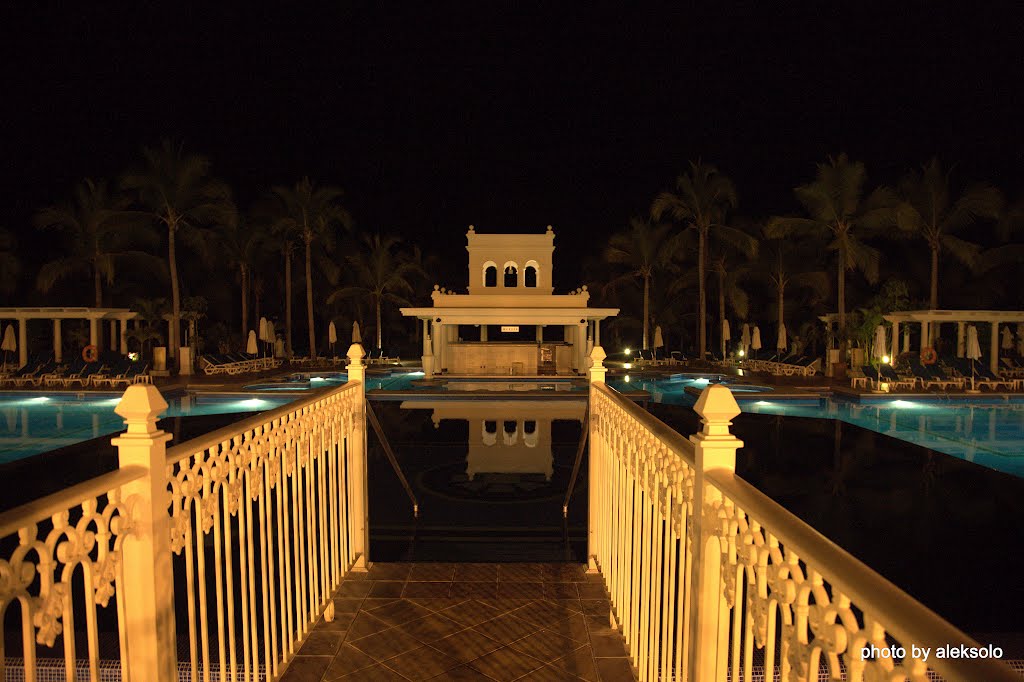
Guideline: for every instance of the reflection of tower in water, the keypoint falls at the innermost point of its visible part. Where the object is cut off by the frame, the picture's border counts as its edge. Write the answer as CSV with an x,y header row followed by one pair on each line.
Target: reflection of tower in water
x,y
506,437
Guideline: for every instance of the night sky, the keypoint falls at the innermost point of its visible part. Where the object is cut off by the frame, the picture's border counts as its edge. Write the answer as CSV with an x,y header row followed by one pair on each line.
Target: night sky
x,y
510,116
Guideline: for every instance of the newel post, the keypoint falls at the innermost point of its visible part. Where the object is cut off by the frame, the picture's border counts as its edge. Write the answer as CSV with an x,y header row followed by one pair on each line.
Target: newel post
x,y
148,585
595,374
359,520
714,448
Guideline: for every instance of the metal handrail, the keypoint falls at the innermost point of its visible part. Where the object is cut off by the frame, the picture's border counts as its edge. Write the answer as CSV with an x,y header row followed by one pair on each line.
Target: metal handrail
x,y
584,437
199,443
391,457
13,520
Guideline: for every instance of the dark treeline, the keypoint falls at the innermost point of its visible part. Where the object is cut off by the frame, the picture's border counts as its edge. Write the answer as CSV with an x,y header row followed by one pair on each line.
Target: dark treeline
x,y
168,238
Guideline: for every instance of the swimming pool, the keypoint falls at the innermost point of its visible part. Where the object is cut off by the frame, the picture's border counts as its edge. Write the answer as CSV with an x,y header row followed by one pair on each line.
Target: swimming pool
x,y
31,424
989,433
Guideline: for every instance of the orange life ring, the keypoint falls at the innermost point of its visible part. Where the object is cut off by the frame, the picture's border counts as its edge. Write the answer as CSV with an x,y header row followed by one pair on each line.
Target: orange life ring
x,y
929,356
90,353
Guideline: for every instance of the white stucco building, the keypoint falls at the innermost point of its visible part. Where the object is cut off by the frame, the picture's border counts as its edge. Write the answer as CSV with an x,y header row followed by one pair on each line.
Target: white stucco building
x,y
510,294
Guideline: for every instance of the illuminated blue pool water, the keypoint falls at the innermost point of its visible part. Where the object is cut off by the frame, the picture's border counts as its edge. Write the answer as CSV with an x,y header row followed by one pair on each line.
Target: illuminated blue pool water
x,y
31,424
990,433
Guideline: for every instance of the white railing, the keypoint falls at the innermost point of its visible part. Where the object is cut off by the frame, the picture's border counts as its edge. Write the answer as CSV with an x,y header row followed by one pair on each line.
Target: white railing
x,y
245,533
710,579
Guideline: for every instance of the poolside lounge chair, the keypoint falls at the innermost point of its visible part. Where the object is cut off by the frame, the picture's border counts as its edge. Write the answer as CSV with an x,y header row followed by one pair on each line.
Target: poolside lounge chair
x,y
84,377
35,378
984,376
138,373
61,374
930,376
111,374
892,377
1012,368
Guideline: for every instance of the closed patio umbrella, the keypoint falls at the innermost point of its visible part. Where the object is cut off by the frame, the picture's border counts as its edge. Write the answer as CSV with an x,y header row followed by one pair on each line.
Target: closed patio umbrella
x,y
9,345
745,337
332,335
755,341
878,348
973,349
659,340
1007,343
780,343
726,332
251,348
263,336
356,336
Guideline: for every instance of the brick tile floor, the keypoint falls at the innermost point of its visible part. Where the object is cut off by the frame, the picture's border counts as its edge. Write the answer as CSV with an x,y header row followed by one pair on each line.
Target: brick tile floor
x,y
482,622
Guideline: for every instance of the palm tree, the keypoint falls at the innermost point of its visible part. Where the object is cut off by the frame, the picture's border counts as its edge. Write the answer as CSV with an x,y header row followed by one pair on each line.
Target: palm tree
x,y
382,273
311,213
178,191
728,249
838,210
701,201
9,263
927,210
100,231
785,268
645,249
151,312
241,241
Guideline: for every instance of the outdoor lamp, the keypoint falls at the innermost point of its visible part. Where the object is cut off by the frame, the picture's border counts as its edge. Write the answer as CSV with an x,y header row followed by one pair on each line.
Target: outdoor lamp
x,y
626,351
740,353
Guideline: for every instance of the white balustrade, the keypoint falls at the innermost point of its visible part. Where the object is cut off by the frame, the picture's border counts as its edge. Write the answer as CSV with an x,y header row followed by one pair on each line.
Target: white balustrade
x,y
709,579
245,533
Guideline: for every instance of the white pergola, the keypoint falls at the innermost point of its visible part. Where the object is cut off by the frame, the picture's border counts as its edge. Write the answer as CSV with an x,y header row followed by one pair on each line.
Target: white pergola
x,y
931,319
117,317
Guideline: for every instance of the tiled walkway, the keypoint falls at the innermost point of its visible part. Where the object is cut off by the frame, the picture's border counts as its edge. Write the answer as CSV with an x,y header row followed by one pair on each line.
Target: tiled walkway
x,y
466,622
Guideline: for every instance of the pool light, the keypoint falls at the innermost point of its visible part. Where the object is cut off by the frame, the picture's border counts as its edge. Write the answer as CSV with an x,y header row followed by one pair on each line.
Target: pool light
x,y
628,365
252,402
317,379
627,378
762,402
40,399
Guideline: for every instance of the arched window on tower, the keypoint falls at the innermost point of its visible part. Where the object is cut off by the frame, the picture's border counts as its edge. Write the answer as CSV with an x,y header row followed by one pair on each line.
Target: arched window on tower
x,y
530,276
491,275
511,276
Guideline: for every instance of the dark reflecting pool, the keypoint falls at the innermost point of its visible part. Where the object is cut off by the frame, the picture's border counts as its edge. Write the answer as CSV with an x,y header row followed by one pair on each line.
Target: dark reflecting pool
x,y
490,478
941,528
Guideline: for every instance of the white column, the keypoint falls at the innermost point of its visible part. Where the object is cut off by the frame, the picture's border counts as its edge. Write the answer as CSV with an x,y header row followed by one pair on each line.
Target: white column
x,y
581,346
714,447
93,331
359,504
924,336
22,342
440,346
124,336
959,339
595,374
895,340
540,333
597,332
427,359
483,333
113,335
151,650
58,353
993,362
